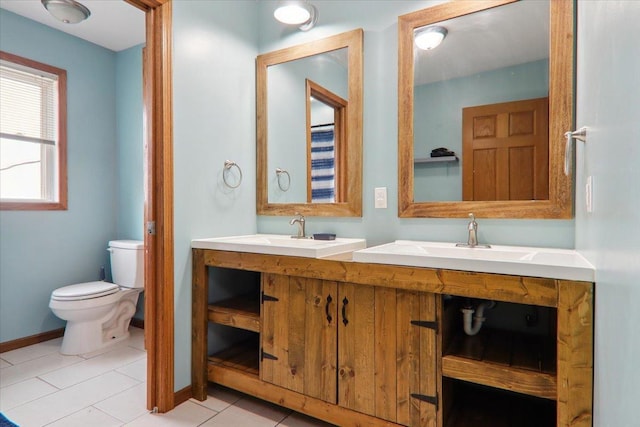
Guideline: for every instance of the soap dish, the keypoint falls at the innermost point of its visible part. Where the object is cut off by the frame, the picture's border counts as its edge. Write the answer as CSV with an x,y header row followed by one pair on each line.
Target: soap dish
x,y
324,236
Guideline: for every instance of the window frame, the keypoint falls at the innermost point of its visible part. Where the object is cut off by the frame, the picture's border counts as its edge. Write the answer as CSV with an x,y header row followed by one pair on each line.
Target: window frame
x,y
61,143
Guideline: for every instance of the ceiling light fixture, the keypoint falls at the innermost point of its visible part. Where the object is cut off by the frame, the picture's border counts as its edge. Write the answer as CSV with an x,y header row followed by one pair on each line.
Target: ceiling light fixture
x,y
429,37
297,12
67,11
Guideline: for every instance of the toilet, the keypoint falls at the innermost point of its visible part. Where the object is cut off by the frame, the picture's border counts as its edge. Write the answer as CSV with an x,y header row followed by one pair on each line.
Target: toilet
x,y
98,313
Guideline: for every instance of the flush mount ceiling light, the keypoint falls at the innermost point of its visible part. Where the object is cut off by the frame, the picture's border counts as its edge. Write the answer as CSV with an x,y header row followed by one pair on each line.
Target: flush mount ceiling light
x,y
67,11
430,37
297,12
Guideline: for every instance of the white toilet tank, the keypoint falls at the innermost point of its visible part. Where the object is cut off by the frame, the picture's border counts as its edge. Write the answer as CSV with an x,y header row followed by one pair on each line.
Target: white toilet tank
x,y
127,263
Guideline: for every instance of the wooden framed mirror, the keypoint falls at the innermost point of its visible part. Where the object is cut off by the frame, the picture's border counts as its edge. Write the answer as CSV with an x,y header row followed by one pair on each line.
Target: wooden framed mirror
x,y
288,174
548,192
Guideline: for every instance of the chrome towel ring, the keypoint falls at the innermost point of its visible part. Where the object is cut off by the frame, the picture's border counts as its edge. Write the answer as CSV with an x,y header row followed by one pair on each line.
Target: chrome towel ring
x,y
580,135
279,173
228,164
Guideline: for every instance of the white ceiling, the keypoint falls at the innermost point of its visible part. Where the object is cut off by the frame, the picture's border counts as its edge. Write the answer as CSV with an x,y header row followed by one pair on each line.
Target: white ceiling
x,y
500,37
113,24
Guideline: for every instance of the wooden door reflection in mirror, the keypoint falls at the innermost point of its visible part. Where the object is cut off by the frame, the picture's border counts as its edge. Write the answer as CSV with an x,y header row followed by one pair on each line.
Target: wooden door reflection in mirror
x,y
326,115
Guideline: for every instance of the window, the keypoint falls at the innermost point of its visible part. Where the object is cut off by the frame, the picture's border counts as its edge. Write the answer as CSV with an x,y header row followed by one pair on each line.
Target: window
x,y
33,139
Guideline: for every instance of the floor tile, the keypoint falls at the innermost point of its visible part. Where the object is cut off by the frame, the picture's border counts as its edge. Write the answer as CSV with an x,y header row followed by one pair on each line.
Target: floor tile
x,y
31,352
136,340
90,368
128,405
219,398
23,392
87,417
300,420
137,369
248,412
68,401
23,371
188,414
4,363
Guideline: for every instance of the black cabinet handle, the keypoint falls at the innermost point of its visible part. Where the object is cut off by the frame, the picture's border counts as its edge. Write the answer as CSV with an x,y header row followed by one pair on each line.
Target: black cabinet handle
x,y
345,301
326,309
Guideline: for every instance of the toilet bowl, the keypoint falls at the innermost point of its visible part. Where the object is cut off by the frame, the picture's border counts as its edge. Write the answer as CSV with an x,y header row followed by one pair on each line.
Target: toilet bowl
x,y
98,313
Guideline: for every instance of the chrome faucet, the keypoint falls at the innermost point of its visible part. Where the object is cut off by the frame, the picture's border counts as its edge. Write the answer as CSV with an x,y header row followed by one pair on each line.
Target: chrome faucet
x,y
472,241
300,221
473,231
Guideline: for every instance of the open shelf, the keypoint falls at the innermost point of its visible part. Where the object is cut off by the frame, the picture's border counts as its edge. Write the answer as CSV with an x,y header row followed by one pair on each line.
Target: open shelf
x,y
442,159
482,406
241,312
512,361
241,358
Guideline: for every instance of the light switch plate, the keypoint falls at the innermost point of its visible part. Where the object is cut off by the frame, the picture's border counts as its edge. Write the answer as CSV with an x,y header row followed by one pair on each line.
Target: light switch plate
x,y
380,195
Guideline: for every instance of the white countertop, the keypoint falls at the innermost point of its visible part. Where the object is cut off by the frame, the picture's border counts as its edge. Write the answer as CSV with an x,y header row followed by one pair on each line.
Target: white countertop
x,y
514,260
275,244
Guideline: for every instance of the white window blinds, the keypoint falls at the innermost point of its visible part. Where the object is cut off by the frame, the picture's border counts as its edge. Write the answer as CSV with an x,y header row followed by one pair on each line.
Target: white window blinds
x,y
28,104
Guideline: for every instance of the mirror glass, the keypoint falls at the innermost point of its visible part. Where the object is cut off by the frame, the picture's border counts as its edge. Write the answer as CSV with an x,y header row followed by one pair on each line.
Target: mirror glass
x,y
468,91
476,132
309,128
292,115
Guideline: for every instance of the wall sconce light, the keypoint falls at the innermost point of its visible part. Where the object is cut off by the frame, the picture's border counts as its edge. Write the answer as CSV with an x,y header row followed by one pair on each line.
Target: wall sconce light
x,y
67,11
297,12
429,37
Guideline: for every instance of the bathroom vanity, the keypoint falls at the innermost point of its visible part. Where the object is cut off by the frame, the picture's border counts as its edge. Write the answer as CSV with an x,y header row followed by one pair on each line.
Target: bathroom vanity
x,y
374,344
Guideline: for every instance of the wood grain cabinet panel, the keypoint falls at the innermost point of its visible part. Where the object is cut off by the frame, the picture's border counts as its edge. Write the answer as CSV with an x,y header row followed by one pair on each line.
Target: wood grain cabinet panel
x,y
355,345
299,339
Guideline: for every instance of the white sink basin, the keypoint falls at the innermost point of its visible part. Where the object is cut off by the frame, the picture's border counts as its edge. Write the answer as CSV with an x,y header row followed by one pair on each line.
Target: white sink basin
x,y
524,261
275,244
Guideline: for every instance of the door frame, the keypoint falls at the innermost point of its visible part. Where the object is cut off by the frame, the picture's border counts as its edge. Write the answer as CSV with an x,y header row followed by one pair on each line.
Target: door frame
x,y
158,203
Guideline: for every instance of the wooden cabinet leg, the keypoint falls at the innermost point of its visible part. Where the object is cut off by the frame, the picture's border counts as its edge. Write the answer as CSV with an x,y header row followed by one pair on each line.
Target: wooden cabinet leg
x,y
199,345
575,354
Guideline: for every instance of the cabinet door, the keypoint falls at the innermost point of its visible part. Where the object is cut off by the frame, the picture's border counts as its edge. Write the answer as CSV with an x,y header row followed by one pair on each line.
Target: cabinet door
x,y
299,335
417,359
386,363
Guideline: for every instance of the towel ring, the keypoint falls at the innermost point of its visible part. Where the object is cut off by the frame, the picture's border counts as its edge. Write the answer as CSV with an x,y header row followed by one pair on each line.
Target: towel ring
x,y
279,173
579,135
228,164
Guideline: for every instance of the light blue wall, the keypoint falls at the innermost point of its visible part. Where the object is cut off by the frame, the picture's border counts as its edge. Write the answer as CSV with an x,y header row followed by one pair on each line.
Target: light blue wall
x,y
43,250
379,21
130,149
130,143
214,50
609,104
438,119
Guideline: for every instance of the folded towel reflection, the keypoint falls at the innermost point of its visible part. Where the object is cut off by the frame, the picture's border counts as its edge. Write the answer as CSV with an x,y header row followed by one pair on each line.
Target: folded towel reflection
x,y
442,152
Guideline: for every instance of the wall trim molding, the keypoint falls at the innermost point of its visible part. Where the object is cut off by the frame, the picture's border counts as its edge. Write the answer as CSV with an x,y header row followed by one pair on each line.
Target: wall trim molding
x,y
182,395
138,323
30,340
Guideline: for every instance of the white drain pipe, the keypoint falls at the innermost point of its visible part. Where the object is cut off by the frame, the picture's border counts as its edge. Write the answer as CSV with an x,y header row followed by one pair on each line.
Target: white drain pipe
x,y
479,318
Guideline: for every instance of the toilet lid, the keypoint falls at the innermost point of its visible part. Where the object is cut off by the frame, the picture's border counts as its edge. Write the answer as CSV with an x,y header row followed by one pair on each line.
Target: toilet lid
x,y
84,291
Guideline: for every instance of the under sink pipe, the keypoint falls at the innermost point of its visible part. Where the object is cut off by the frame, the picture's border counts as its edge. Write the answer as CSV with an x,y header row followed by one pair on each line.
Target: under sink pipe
x,y
478,319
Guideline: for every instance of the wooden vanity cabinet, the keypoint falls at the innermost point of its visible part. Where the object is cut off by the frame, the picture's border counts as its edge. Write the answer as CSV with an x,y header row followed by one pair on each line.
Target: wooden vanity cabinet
x,y
365,348
359,344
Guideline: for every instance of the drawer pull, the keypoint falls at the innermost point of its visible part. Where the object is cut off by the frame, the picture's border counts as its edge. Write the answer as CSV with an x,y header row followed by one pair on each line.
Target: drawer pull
x,y
326,309
345,301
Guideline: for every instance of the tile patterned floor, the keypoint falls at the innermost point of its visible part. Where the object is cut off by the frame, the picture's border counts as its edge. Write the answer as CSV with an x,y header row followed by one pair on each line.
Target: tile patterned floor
x,y
40,387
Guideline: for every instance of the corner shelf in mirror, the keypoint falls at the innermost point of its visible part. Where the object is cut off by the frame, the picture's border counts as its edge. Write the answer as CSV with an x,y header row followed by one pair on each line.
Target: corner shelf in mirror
x,y
443,159
559,203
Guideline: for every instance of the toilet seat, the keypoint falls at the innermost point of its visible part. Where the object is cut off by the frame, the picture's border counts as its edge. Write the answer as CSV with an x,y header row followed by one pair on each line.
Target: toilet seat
x,y
84,291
